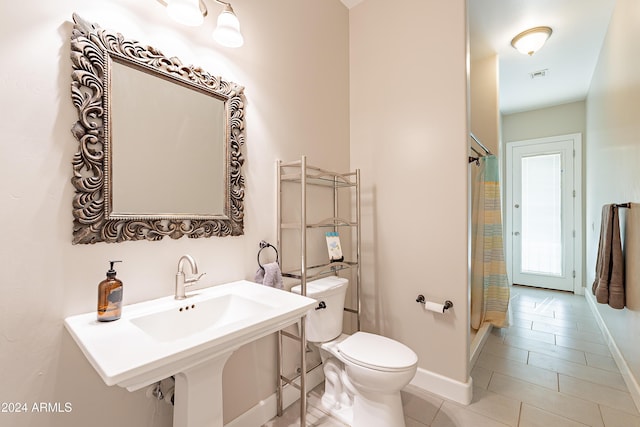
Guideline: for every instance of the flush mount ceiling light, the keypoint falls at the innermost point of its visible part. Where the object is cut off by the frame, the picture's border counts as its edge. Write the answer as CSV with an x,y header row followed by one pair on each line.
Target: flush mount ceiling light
x,y
530,41
193,12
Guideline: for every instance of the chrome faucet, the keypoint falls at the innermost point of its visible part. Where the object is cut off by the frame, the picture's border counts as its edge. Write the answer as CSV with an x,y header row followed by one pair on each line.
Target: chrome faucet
x,y
181,280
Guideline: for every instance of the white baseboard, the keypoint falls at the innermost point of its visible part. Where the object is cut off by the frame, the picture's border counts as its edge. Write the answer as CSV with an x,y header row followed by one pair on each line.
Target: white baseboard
x,y
443,386
267,408
630,380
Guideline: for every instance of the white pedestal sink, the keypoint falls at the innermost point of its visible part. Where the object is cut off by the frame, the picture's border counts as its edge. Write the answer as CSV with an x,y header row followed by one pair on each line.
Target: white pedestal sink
x,y
190,339
198,394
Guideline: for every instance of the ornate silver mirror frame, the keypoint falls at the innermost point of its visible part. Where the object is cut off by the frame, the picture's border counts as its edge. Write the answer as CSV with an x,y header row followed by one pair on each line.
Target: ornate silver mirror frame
x,y
92,50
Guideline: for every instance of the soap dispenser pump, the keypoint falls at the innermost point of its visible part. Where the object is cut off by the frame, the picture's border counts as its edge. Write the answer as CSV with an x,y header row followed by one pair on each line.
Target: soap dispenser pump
x,y
110,296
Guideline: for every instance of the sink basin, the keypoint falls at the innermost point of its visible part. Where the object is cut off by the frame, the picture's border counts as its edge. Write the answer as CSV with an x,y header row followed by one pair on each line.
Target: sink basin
x,y
190,339
191,318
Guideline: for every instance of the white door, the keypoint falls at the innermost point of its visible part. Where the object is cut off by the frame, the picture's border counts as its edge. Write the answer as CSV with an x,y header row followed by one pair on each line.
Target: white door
x,y
542,231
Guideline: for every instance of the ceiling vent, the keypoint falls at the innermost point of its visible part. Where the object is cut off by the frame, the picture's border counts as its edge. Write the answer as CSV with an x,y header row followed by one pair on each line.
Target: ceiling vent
x,y
539,74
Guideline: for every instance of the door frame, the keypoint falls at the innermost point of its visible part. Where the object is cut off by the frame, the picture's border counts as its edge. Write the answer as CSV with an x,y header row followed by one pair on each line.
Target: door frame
x,y
578,250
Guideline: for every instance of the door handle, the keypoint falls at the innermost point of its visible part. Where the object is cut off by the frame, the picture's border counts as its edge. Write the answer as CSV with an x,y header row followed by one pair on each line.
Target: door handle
x,y
516,233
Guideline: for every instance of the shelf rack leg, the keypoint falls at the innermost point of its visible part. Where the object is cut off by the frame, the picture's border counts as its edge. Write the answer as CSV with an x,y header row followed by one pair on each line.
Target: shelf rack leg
x,y
303,290
279,391
358,243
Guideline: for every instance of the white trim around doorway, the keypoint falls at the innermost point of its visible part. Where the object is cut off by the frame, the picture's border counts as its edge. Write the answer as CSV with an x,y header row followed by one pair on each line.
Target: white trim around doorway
x,y
578,287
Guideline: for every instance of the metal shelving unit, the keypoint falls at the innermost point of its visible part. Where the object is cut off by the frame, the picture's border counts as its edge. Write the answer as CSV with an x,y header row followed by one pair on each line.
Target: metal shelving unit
x,y
304,175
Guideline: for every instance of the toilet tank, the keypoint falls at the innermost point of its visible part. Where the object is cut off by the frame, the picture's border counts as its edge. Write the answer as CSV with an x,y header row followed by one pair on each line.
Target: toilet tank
x,y
325,324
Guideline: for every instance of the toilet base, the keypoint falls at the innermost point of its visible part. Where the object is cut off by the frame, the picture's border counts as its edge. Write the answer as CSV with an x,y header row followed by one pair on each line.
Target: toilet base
x,y
368,410
341,412
338,396
378,410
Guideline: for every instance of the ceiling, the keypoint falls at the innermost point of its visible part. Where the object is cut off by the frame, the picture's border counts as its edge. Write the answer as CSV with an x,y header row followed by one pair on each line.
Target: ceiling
x,y
569,57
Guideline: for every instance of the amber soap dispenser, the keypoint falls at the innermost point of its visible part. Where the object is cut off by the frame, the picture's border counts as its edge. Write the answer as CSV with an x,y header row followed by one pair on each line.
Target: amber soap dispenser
x,y
110,296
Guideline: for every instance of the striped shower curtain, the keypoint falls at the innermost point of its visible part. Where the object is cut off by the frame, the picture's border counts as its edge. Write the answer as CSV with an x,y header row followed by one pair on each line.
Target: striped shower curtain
x,y
489,283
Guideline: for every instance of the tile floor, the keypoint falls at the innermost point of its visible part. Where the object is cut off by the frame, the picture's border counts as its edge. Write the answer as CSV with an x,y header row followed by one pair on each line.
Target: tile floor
x,y
550,368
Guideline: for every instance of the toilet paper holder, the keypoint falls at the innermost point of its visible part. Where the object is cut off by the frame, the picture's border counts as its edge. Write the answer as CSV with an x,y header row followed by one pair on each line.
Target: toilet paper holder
x,y
447,304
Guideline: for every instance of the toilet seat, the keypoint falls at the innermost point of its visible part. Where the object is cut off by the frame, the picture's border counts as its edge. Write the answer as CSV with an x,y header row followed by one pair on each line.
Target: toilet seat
x,y
377,352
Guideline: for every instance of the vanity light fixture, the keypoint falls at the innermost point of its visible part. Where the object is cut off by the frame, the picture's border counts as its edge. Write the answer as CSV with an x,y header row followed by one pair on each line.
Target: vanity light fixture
x,y
187,12
530,41
192,13
227,32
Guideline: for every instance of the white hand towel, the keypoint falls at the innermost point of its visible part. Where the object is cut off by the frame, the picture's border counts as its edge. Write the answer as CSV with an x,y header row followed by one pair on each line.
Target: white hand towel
x,y
270,275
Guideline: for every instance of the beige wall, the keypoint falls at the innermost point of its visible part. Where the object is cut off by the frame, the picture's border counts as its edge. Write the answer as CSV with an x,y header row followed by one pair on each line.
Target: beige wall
x,y
552,121
613,156
409,137
296,76
485,108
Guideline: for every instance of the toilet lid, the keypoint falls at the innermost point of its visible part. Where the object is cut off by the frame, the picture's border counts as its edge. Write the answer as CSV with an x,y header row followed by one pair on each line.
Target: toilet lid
x,y
377,352
322,287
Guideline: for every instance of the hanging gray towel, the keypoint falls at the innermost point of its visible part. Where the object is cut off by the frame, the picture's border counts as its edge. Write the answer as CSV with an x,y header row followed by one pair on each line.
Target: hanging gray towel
x,y
608,286
270,275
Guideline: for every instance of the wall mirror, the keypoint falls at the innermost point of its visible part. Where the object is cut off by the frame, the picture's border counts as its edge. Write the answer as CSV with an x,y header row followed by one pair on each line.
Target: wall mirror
x,y
159,143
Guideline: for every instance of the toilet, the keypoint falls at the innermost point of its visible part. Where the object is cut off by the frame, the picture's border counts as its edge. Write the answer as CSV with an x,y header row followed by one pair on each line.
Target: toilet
x,y
364,372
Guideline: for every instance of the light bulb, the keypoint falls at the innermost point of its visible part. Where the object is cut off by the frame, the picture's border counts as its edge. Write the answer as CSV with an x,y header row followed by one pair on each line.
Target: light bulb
x,y
186,12
227,32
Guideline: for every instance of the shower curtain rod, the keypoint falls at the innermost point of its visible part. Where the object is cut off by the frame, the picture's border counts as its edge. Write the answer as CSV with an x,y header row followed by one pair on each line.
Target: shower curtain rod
x,y
476,151
486,150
